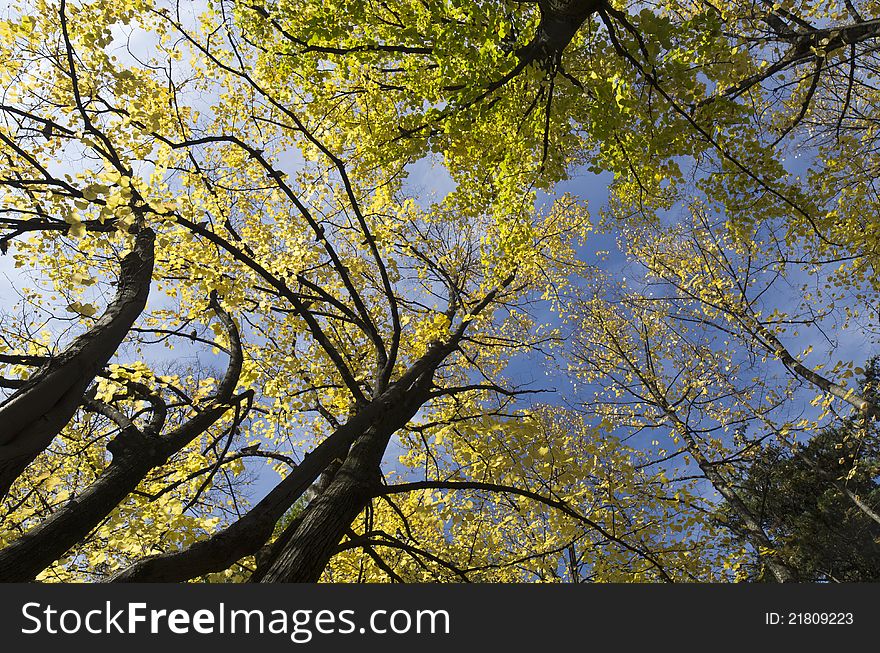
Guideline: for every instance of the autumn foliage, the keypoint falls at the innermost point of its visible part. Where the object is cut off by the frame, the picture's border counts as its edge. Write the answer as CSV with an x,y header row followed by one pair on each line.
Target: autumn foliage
x,y
305,291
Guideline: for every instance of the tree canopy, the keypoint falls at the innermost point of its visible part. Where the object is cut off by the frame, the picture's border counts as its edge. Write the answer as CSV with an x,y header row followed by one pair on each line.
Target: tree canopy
x,y
242,343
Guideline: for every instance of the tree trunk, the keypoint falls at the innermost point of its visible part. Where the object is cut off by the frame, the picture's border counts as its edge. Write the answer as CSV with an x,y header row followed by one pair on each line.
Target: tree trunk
x,y
27,556
37,411
560,21
371,427
753,530
330,514
243,537
328,518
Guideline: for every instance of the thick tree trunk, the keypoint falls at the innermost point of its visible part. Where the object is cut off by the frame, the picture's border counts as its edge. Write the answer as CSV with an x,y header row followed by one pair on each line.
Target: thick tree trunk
x,y
266,556
27,556
248,534
245,536
37,411
560,21
329,516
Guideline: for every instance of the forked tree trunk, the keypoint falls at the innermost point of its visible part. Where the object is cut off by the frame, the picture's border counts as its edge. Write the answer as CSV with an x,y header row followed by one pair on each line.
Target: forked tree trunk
x,y
330,515
560,21
327,518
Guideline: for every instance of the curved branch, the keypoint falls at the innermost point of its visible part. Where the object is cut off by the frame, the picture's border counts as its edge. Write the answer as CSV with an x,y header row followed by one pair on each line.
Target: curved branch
x,y
548,501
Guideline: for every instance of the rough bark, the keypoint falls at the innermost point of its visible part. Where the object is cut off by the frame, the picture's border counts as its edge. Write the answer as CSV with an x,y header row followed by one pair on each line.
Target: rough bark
x,y
307,552
560,21
268,554
328,518
245,536
37,411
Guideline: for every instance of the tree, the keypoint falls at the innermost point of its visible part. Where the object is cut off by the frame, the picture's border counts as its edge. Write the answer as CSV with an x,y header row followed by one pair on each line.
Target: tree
x,y
693,351
520,92
817,501
43,403
240,177
348,313
814,523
